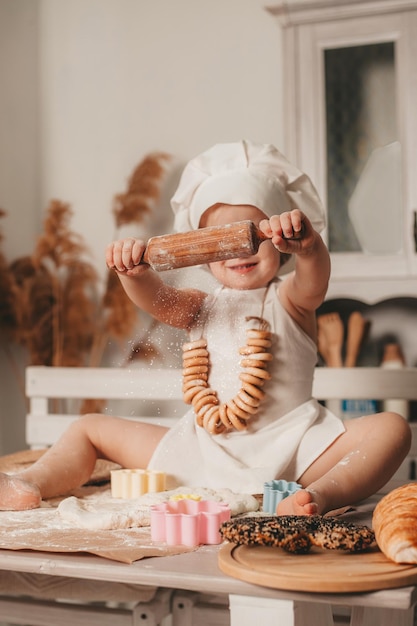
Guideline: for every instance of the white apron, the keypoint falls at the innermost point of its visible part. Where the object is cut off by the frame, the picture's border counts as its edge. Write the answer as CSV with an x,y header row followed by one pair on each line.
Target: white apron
x,y
290,430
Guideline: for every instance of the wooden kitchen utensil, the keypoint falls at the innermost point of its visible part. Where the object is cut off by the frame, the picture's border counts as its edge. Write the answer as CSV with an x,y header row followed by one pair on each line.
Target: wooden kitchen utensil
x,y
330,338
204,245
355,333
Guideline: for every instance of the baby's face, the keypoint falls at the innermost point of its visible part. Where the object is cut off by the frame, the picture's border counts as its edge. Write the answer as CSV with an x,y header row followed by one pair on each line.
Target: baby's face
x,y
249,272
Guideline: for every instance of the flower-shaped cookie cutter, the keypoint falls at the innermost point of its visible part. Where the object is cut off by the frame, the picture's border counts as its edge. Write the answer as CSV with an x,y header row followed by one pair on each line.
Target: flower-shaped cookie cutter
x,y
275,491
132,483
188,522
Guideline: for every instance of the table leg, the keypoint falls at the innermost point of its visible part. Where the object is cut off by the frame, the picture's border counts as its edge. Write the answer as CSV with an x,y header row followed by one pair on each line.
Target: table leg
x,y
248,610
367,616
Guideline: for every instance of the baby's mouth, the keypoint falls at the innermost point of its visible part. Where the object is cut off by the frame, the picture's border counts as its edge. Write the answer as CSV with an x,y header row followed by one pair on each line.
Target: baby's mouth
x,y
243,267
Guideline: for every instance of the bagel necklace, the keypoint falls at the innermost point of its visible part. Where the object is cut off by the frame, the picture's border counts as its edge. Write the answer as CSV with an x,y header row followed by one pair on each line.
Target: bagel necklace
x,y
235,414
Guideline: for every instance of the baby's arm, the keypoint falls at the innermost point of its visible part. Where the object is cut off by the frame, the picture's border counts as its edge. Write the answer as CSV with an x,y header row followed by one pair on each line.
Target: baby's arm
x,y
304,290
176,307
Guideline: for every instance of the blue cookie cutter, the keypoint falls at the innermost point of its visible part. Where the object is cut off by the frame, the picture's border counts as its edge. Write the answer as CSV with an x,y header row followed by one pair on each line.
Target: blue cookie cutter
x,y
275,491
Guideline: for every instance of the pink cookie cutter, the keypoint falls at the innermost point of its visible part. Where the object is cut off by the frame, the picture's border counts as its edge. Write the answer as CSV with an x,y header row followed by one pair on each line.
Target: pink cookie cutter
x,y
188,522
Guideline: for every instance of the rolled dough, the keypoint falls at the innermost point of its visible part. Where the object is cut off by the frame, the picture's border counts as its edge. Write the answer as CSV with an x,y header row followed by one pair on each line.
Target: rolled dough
x,y
102,512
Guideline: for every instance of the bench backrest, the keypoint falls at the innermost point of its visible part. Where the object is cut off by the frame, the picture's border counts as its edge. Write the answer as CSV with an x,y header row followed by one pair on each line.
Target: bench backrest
x,y
155,394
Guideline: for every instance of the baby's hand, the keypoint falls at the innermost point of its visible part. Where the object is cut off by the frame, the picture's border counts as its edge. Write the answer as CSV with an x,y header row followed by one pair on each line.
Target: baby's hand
x,y
290,232
124,256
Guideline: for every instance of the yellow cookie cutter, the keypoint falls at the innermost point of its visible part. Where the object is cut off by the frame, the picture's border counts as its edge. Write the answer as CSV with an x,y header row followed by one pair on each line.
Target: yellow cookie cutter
x,y
132,483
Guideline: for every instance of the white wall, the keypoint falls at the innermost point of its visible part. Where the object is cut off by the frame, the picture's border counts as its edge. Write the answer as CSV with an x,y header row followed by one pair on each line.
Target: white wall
x,y
19,178
88,87
121,78
19,128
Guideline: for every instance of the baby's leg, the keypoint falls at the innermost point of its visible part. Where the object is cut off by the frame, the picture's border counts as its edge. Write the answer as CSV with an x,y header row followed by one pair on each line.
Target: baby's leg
x,y
70,462
354,467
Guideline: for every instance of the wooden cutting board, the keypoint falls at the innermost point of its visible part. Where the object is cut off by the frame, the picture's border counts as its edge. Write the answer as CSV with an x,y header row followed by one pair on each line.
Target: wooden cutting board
x,y
325,571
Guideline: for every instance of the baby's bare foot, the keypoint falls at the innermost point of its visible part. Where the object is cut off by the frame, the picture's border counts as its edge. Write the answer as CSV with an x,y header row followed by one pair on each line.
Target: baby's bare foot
x,y
299,503
17,494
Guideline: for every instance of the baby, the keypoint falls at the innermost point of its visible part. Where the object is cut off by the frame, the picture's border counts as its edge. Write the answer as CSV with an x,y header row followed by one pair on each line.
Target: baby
x,y
249,363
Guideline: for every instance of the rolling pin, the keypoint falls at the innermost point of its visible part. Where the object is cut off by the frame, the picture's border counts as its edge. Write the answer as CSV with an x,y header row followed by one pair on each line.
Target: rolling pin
x,y
205,245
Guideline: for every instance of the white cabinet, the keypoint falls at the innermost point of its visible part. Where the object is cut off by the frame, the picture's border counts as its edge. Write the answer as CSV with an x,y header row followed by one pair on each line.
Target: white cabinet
x,y
350,95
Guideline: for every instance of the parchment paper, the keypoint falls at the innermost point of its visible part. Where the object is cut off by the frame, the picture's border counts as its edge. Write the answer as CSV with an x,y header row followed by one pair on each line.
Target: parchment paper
x,y
43,530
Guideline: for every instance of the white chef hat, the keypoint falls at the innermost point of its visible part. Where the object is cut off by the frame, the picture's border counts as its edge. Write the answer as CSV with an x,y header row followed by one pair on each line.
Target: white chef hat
x,y
243,173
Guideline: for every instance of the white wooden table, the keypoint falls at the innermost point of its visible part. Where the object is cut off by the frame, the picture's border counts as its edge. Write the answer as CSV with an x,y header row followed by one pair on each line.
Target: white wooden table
x,y
198,571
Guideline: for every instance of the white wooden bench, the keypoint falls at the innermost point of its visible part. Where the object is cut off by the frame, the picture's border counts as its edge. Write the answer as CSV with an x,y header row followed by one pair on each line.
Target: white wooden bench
x,y
155,394
192,574
54,395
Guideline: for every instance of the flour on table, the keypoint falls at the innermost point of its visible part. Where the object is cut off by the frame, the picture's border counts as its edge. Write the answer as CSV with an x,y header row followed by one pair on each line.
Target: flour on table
x,y
107,513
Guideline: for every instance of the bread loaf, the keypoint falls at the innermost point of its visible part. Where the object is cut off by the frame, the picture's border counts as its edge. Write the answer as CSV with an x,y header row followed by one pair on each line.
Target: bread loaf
x,y
395,524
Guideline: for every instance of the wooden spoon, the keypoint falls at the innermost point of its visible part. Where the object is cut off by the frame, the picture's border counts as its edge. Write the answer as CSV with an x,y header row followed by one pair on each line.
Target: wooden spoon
x,y
330,338
355,334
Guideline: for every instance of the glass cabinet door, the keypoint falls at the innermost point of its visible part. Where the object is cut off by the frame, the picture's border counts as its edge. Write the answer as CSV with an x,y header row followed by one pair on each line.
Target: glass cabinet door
x,y
363,150
353,103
